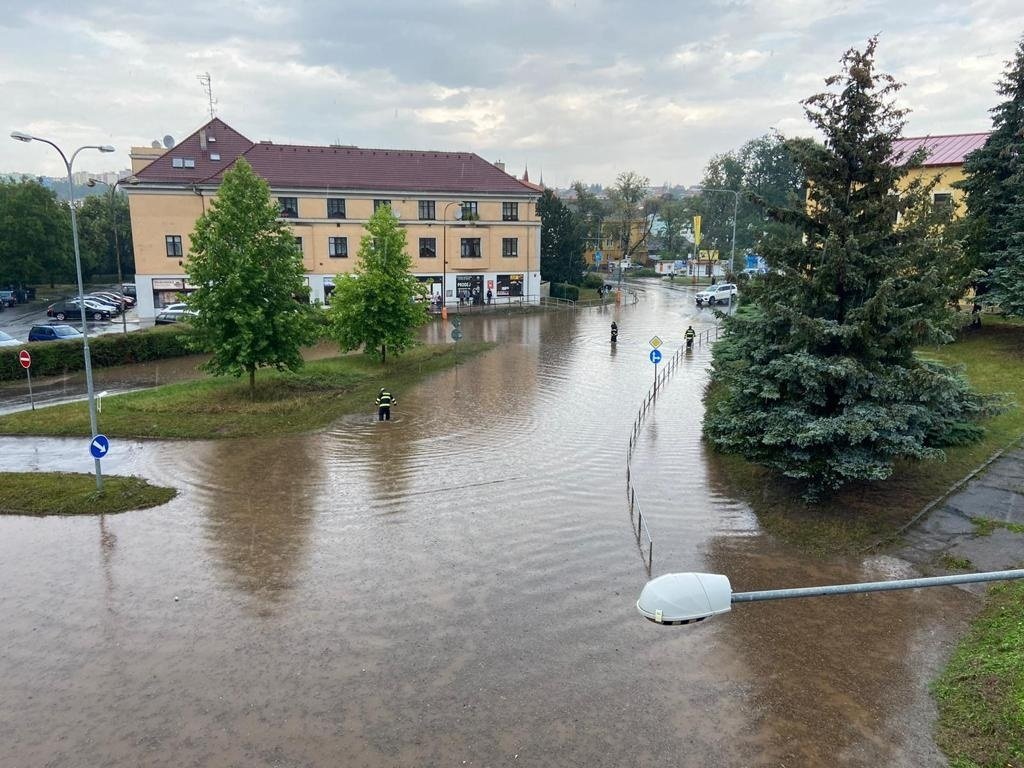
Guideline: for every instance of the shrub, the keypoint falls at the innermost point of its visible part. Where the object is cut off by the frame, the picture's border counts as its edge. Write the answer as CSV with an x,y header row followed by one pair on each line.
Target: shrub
x,y
59,357
565,291
593,280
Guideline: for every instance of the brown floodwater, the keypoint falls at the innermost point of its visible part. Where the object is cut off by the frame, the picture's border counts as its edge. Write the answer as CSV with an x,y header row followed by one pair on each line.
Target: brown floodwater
x,y
456,587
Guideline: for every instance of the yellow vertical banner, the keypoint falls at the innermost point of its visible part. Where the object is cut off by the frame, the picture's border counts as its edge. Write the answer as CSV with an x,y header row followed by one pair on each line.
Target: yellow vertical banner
x,y
696,231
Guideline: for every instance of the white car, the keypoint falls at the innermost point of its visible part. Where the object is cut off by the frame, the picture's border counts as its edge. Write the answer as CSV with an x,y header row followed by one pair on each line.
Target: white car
x,y
8,341
723,293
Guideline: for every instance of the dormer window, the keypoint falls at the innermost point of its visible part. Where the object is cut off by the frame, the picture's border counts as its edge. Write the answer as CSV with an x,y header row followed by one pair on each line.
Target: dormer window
x,y
190,163
214,156
177,162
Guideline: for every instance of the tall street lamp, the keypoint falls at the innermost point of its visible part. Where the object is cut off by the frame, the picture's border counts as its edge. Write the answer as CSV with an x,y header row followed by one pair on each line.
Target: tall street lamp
x,y
112,188
444,247
25,137
683,598
735,213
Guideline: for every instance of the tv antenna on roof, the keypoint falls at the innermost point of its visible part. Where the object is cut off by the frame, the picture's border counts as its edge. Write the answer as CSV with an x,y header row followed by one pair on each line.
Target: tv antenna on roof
x,y
208,87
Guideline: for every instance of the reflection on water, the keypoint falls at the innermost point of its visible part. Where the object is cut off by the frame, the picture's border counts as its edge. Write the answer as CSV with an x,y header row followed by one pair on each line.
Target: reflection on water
x,y
457,585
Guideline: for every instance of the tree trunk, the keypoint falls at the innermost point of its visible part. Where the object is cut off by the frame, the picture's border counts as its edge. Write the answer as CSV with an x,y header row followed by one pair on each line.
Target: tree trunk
x,y
252,383
383,353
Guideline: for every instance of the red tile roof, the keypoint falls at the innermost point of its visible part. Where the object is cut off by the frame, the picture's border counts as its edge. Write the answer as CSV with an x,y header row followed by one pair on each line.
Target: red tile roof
x,y
942,150
289,166
227,142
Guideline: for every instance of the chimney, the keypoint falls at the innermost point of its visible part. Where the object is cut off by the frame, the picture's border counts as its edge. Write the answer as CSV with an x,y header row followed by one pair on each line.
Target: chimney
x,y
500,165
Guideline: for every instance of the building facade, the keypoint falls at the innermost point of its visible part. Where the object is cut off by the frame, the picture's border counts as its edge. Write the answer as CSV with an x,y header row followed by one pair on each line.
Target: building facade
x,y
471,228
944,157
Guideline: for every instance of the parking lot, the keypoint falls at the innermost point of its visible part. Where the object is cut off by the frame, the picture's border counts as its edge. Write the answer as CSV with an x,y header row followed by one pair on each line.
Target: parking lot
x,y
19,319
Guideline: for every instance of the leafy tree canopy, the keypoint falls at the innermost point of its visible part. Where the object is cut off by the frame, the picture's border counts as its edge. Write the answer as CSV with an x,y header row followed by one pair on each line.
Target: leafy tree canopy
x,y
249,275
380,304
561,238
35,235
816,377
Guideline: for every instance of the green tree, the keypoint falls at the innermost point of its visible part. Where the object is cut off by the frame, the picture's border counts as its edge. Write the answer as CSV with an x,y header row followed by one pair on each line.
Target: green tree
x,y
380,304
590,211
35,235
994,189
249,273
561,238
630,220
676,218
816,377
96,222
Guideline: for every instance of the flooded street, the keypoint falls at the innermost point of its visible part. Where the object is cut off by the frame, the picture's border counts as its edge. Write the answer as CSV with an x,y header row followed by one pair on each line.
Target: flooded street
x,y
456,587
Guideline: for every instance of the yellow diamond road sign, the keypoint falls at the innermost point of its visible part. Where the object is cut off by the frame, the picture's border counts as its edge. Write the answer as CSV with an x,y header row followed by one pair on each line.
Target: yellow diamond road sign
x,y
655,342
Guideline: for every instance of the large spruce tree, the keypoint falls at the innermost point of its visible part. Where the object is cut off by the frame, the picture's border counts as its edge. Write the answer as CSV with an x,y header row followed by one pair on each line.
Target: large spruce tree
x,y
994,190
816,377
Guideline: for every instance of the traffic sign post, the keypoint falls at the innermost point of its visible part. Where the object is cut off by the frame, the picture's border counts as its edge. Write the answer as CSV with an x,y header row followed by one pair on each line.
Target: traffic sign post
x,y
655,358
25,358
99,447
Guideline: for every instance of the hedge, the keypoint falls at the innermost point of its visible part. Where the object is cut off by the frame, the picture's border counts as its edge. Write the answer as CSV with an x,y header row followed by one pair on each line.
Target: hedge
x,y
593,280
565,291
59,357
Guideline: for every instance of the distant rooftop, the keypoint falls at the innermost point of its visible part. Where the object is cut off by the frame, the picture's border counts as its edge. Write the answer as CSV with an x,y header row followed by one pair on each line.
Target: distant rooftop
x,y
941,150
204,157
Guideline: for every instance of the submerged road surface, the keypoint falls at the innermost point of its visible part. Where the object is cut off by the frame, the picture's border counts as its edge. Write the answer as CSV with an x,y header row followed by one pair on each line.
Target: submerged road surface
x,y
456,587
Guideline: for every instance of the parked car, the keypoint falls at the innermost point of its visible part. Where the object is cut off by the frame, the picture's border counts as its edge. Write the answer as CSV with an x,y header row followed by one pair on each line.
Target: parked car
x,y
109,297
8,341
715,294
174,313
129,290
8,299
94,302
53,333
62,310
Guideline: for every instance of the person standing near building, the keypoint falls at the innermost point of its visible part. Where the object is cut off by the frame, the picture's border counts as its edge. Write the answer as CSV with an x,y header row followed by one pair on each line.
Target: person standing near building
x,y
489,295
384,402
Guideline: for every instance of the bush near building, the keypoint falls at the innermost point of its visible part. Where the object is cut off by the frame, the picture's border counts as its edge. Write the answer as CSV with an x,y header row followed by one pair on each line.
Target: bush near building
x,y
60,357
565,291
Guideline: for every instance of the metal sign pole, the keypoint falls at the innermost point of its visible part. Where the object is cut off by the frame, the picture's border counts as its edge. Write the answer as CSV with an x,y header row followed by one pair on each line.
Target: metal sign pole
x,y
28,372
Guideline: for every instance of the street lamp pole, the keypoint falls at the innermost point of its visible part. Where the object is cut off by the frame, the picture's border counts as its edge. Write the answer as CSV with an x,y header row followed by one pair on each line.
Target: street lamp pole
x,y
117,250
19,136
444,247
682,598
735,213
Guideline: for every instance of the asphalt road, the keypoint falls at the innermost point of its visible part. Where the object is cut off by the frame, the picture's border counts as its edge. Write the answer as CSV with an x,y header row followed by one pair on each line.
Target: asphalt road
x,y
18,321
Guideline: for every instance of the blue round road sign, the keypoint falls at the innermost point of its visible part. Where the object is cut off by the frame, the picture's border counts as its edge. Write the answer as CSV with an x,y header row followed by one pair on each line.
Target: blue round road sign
x,y
655,356
99,446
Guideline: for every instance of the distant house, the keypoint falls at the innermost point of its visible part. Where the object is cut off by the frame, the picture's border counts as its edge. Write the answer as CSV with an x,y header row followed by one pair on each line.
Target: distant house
x,y
945,157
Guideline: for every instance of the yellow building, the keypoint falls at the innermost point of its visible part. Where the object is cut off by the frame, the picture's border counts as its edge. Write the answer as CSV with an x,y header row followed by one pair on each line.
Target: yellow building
x,y
945,158
611,244
471,227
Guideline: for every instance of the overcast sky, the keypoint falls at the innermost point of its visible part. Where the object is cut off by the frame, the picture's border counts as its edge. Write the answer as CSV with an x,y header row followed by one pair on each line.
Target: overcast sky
x,y
578,90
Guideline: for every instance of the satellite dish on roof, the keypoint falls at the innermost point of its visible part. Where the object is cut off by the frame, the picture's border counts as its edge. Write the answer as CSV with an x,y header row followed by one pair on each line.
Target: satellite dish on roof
x,y
155,144
168,141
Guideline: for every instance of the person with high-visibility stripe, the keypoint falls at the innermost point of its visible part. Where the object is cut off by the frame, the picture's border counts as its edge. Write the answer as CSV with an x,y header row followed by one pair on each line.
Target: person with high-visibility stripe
x,y
690,335
384,402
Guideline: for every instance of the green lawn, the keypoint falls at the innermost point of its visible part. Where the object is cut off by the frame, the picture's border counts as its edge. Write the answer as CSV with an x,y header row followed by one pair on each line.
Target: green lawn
x,y
64,493
285,403
866,512
981,692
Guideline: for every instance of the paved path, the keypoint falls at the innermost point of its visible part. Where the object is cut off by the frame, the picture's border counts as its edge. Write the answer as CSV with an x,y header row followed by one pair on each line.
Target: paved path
x,y
951,530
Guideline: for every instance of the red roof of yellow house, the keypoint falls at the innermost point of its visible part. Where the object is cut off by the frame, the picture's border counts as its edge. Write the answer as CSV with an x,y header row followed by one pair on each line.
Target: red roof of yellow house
x,y
951,149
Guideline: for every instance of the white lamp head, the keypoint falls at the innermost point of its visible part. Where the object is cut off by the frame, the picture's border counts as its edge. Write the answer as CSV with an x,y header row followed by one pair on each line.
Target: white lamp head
x,y
106,148
681,598
19,136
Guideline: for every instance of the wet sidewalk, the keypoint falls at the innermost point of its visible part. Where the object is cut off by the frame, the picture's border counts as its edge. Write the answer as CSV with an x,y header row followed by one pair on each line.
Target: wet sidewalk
x,y
980,527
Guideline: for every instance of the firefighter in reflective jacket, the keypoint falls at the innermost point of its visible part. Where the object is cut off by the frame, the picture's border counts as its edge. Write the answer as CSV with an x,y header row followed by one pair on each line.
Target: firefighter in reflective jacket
x,y
690,335
384,402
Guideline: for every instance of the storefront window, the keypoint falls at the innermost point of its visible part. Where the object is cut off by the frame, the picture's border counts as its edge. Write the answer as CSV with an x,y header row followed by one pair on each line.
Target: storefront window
x,y
510,285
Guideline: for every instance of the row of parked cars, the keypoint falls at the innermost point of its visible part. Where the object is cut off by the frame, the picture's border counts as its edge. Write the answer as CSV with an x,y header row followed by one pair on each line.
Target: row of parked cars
x,y
98,305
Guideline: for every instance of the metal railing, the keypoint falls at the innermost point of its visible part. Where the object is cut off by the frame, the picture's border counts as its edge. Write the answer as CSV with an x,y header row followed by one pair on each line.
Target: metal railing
x,y
498,303
639,521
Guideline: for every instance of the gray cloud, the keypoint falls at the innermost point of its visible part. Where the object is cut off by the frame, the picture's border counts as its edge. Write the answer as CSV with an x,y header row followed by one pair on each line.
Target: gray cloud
x,y
578,89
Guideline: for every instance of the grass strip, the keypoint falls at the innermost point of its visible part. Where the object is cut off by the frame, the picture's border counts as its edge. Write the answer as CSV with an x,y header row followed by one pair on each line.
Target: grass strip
x,y
981,692
74,493
862,513
284,403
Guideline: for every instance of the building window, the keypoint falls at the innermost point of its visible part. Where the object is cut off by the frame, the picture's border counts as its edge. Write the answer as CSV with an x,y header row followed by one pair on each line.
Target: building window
x,y
510,211
173,245
215,156
942,201
428,247
335,208
471,248
510,285
289,207
177,162
298,243
337,247
378,203
427,212
509,247
469,210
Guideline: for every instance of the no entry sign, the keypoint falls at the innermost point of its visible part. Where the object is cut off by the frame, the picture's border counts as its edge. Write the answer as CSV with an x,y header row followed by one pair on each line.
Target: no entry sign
x,y
25,359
